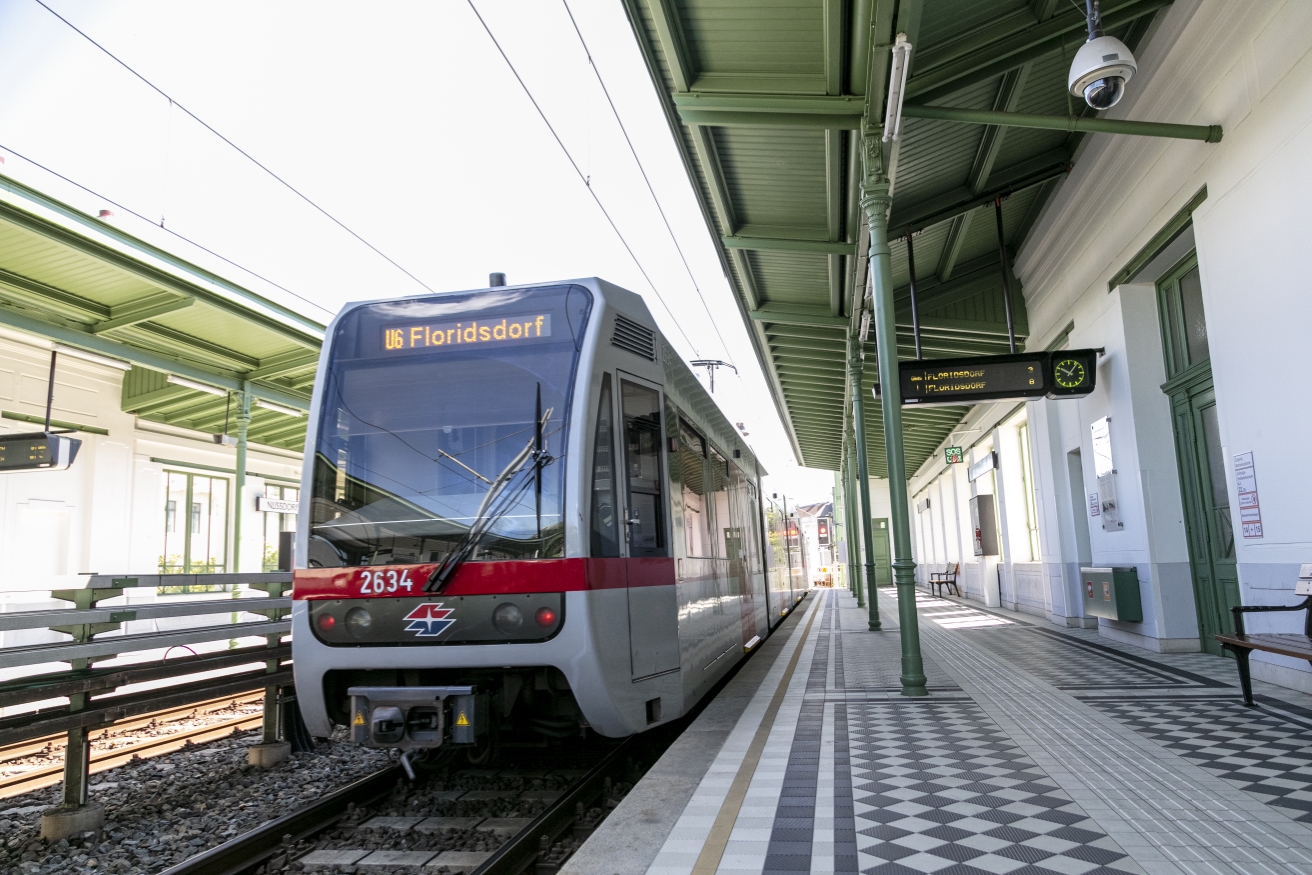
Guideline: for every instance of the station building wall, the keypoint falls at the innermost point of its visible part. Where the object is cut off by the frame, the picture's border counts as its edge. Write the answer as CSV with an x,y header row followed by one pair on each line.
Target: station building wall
x,y
108,512
1248,67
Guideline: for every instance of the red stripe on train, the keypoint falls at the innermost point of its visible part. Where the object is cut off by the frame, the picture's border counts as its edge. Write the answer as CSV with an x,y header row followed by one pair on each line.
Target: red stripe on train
x,y
484,578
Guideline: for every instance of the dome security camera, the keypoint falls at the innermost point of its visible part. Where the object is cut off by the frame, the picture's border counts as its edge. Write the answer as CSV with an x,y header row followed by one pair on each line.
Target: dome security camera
x,y
1101,67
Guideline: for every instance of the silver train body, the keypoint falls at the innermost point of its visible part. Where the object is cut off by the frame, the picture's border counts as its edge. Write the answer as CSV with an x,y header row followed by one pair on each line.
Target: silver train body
x,y
626,558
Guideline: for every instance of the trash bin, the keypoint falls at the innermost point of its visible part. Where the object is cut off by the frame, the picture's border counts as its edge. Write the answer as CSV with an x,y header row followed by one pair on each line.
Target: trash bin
x,y
1112,593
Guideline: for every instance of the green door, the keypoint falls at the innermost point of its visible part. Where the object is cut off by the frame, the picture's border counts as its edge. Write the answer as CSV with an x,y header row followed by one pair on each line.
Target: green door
x,y
1208,521
1209,525
883,554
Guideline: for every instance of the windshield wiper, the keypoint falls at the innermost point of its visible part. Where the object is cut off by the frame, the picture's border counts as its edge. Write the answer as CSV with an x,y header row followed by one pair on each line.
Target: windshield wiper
x,y
498,501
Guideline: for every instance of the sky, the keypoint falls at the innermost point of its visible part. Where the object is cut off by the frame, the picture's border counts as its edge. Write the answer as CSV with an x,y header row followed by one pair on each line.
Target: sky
x,y
404,122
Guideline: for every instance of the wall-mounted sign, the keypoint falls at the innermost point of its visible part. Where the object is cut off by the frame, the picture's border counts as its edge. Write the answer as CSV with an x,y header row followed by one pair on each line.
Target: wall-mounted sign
x,y
1064,374
276,505
953,455
1094,508
1106,474
922,506
1250,511
983,466
37,452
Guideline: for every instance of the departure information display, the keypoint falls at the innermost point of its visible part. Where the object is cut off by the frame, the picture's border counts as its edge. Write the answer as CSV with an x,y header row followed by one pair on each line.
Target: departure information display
x,y
1062,374
30,452
472,332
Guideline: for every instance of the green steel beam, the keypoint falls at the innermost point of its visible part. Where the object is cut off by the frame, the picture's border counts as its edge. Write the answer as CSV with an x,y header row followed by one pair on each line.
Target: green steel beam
x,y
922,214
141,310
1071,124
730,119
820,332
797,314
785,244
145,358
282,365
189,345
771,104
669,30
51,299
1000,46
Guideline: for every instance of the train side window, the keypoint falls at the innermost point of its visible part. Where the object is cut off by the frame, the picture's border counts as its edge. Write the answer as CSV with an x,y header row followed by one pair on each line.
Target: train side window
x,y
605,520
642,444
696,505
727,539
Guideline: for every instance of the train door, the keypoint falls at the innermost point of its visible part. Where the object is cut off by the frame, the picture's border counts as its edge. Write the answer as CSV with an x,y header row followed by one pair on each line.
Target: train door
x,y
652,602
742,554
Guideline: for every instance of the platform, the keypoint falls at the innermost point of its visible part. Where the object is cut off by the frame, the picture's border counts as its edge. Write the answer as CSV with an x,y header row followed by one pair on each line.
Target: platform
x,y
1041,749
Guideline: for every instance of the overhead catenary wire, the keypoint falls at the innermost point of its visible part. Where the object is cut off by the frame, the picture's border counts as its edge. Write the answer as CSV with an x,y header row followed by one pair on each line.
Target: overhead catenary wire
x,y
650,188
248,156
587,183
188,240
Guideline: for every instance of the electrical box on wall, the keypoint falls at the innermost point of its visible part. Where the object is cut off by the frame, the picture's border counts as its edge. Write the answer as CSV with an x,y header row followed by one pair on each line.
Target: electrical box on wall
x,y
984,524
1112,593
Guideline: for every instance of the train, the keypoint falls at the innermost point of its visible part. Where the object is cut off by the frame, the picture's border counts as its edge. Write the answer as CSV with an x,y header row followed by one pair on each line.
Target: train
x,y
523,517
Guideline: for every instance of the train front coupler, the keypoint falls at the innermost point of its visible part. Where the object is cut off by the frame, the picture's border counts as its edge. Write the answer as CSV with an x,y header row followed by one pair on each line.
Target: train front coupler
x,y
415,718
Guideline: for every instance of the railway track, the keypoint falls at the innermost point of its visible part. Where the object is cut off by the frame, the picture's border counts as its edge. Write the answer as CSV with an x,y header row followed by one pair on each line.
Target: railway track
x,y
455,818
51,747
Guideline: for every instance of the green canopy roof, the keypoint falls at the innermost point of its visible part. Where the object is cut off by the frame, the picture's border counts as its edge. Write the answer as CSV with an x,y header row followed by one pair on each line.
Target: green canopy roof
x,y
82,282
767,100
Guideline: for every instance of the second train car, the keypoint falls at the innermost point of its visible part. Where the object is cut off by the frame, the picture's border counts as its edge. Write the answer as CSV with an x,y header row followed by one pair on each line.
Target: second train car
x,y
525,516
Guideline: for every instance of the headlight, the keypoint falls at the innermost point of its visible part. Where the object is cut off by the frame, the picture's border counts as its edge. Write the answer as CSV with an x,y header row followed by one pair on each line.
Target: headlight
x,y
358,622
507,618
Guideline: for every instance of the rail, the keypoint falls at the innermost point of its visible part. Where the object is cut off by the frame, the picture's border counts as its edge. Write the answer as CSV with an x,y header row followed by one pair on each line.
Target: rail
x,y
96,633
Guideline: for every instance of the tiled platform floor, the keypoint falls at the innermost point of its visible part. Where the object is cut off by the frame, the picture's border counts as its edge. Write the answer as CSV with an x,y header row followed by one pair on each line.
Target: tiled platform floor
x,y
1040,750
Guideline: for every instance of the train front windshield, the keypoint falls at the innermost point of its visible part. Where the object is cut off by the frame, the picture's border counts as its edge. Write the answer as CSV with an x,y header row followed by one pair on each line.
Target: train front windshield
x,y
444,420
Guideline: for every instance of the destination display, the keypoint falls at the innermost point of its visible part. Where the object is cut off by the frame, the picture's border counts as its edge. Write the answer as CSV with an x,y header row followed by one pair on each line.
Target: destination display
x,y
472,332
1062,374
31,452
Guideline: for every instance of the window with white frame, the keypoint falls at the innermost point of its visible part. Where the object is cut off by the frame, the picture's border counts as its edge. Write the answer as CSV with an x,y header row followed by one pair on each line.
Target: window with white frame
x,y
1031,504
276,522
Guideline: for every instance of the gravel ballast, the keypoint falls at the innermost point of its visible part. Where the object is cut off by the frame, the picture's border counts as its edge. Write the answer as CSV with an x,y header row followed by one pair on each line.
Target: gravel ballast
x,y
162,810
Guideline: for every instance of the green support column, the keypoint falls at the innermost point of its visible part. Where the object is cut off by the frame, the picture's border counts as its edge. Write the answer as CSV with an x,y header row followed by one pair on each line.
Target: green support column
x,y
863,479
850,505
875,201
243,423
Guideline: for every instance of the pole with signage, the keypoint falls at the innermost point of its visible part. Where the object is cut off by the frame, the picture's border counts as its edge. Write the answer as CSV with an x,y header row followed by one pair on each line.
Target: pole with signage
x,y
876,201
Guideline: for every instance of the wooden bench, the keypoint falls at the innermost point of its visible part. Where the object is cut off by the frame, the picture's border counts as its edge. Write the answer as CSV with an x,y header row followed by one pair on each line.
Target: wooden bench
x,y
1242,644
947,577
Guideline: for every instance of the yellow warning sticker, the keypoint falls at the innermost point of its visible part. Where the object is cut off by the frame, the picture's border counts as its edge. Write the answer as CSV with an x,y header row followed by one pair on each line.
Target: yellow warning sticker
x,y
462,720
359,718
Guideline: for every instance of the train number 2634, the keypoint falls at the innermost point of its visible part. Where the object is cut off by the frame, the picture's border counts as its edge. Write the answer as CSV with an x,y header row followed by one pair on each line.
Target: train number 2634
x,y
385,582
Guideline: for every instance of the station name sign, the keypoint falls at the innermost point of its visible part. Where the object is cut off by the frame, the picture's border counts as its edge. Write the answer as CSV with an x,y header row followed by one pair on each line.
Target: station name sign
x,y
1062,374
37,452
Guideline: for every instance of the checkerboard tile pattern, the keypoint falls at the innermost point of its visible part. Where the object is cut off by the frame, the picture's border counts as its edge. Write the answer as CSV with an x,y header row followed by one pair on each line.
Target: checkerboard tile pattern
x,y
940,788
1067,663
873,660
1265,754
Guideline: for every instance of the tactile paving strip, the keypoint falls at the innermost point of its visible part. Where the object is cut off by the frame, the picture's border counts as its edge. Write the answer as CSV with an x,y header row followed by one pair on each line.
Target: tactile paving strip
x,y
1265,754
1070,664
938,786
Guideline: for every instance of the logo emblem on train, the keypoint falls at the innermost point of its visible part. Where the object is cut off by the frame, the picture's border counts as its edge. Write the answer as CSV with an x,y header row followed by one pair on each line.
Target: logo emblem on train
x,y
429,620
